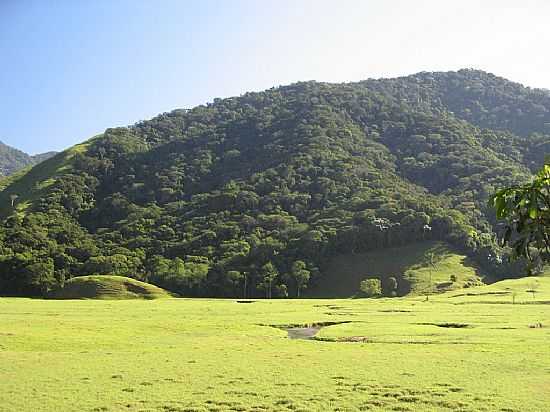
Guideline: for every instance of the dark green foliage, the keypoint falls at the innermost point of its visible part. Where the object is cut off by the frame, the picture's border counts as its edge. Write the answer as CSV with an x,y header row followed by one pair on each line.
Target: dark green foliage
x,y
251,196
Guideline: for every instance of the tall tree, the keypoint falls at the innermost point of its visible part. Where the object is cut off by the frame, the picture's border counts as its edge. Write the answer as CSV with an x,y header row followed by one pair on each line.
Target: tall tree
x,y
269,273
301,275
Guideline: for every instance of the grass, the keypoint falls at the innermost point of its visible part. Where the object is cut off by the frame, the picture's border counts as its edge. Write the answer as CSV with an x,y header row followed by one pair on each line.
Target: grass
x,y
409,264
213,355
109,287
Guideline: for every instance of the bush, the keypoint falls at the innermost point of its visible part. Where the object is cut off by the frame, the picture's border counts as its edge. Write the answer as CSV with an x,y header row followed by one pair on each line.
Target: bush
x,y
371,287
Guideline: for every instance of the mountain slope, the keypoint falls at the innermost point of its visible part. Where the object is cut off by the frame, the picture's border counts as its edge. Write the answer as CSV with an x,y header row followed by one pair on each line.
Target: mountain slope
x,y
29,186
12,160
255,194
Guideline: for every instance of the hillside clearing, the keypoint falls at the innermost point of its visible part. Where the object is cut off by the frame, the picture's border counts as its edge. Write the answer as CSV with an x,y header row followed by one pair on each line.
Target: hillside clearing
x,y
409,264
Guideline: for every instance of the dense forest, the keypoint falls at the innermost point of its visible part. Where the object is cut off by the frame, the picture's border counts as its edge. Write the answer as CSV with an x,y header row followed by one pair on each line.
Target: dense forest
x,y
252,195
13,160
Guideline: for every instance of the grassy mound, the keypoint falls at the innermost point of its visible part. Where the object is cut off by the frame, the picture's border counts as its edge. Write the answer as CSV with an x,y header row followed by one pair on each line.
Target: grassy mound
x,y
408,264
526,290
109,287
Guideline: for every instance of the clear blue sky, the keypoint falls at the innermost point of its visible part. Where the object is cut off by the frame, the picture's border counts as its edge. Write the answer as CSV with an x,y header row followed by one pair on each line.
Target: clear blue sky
x,y
69,69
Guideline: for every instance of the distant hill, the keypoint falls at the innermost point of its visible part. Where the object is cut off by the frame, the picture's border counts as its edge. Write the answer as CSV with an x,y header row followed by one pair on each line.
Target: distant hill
x,y
39,158
258,195
12,160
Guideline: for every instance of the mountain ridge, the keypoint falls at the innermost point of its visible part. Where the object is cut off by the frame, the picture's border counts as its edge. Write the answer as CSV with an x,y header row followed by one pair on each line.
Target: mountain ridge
x,y
240,193
12,160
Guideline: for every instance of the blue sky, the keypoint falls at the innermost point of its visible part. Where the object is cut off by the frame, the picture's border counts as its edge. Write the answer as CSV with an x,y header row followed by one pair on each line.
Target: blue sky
x,y
70,69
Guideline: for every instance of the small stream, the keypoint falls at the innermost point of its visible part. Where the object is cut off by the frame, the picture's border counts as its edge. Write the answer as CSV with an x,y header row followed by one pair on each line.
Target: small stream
x,y
303,333
307,331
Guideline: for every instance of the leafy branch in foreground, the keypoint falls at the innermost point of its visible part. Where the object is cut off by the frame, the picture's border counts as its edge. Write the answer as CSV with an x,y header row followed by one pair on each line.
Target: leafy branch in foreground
x,y
526,210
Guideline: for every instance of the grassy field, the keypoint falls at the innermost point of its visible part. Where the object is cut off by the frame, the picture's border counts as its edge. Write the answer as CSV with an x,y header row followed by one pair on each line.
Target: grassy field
x,y
466,350
409,264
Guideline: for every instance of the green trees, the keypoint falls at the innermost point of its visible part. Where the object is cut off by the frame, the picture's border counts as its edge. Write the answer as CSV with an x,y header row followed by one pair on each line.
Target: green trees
x,y
121,264
199,201
371,288
238,278
186,278
29,275
40,275
526,212
301,275
268,274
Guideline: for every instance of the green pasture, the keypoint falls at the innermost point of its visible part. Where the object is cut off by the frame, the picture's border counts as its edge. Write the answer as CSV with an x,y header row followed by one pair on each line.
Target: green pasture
x,y
465,350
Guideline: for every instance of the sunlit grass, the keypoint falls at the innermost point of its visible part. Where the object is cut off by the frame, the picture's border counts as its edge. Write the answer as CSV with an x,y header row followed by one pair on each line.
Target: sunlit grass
x,y
214,355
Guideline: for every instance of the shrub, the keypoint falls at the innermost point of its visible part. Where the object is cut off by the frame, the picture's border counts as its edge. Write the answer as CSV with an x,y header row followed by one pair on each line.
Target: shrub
x,y
371,287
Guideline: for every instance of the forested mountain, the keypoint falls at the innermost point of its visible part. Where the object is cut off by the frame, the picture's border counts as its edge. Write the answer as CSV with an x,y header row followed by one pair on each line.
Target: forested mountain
x,y
12,160
255,193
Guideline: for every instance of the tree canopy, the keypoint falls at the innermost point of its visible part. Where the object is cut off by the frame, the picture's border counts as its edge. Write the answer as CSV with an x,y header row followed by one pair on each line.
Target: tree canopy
x,y
252,195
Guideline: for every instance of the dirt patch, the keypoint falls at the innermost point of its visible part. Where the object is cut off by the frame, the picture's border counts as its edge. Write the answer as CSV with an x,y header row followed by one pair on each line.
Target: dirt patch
x,y
341,314
447,325
481,294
